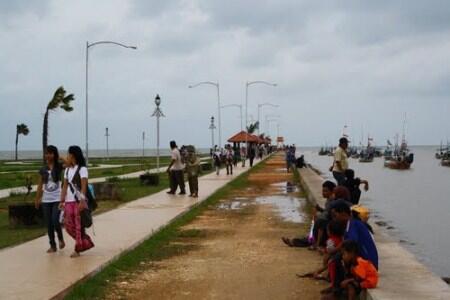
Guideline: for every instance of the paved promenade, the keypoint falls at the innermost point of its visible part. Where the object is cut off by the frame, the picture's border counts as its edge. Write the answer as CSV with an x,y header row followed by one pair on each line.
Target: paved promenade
x,y
402,276
27,272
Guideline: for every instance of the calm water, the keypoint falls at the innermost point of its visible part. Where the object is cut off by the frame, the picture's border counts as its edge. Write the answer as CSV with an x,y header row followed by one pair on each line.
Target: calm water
x,y
9,155
414,202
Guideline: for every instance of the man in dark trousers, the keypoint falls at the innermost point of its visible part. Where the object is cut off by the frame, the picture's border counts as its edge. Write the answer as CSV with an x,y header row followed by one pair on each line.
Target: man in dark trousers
x,y
175,170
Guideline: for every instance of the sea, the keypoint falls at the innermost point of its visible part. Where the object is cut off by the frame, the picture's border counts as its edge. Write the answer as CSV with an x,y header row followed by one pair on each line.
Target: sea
x,y
413,205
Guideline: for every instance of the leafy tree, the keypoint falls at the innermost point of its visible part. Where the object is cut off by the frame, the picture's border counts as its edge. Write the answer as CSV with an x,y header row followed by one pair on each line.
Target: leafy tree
x,y
59,100
20,129
252,127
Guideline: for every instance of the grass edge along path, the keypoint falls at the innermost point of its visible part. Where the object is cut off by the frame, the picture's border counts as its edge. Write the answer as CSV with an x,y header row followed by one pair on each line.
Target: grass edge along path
x,y
93,285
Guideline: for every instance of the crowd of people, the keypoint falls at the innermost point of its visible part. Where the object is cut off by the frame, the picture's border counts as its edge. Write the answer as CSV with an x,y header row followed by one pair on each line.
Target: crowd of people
x,y
340,232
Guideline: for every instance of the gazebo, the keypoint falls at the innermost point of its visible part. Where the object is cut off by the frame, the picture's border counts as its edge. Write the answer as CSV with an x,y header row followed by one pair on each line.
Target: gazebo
x,y
243,137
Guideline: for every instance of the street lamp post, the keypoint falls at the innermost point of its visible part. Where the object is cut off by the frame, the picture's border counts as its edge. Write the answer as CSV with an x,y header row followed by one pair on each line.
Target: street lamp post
x,y
235,105
143,144
107,142
216,84
157,113
259,113
212,127
247,84
87,85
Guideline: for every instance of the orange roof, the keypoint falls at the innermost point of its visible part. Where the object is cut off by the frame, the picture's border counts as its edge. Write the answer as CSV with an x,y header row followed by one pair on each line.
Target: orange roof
x,y
243,137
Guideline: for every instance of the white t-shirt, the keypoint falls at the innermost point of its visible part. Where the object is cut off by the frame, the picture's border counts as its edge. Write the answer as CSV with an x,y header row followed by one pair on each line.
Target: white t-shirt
x,y
52,190
177,165
68,174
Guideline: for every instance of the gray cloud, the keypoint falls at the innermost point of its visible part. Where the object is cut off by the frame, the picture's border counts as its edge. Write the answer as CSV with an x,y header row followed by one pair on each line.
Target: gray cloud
x,y
363,63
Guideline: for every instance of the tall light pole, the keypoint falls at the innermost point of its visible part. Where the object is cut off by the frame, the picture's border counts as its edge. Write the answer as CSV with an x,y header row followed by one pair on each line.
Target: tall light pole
x,y
235,105
107,142
212,127
143,144
247,84
216,84
87,85
259,113
157,113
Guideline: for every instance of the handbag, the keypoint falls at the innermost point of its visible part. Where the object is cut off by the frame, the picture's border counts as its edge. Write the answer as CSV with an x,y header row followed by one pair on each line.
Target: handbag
x,y
86,218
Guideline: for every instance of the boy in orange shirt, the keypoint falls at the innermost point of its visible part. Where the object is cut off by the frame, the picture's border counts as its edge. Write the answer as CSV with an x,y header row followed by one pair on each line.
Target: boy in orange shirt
x,y
360,273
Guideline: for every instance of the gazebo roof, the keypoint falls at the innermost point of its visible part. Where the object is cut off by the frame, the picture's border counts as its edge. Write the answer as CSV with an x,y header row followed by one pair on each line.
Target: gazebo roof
x,y
243,137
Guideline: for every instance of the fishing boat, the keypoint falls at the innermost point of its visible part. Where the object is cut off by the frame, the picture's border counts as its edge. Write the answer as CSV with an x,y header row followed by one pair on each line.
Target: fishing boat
x,y
445,159
441,152
402,158
367,154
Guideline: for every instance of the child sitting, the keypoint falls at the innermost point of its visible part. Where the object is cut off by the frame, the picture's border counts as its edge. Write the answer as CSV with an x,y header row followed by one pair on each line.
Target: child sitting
x,y
359,274
335,233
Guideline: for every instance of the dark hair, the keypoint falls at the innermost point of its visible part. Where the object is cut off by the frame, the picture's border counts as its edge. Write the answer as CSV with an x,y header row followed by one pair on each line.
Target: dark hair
x,y
341,192
329,185
349,174
173,144
336,228
57,167
78,154
341,206
343,140
350,246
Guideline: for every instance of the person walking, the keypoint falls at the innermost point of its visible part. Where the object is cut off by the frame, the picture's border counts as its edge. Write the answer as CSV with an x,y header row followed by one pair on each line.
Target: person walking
x,y
340,163
229,154
251,154
192,170
48,195
74,199
217,159
243,152
175,170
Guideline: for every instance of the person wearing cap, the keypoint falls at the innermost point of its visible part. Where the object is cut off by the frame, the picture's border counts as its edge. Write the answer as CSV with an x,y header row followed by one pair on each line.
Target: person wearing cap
x,y
340,163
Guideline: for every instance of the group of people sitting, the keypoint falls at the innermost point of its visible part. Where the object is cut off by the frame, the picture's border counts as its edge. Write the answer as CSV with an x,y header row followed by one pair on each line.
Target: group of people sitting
x,y
341,234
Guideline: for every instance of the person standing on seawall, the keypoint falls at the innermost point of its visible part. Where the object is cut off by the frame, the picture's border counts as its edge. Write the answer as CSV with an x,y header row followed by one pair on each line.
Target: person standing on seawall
x,y
340,163
48,194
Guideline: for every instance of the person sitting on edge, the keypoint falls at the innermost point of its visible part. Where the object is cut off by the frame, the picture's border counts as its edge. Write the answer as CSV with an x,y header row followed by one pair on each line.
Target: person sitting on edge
x,y
335,233
356,231
353,184
360,274
340,163
321,217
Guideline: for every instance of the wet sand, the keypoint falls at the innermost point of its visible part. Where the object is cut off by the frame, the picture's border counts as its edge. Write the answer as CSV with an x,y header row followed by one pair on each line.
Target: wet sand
x,y
233,250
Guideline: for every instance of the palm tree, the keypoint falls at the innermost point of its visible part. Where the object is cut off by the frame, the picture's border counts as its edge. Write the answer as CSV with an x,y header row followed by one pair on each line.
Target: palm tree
x,y
252,127
59,100
21,129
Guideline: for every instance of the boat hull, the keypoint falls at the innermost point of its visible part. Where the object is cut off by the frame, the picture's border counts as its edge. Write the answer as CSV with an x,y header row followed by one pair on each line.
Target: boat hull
x,y
397,165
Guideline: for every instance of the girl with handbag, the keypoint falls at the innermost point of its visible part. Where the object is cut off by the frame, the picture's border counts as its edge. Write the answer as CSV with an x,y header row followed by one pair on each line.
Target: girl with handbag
x,y
74,199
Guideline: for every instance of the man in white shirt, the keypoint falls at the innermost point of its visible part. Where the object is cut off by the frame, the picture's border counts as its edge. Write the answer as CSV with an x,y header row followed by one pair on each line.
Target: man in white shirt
x,y
175,170
340,163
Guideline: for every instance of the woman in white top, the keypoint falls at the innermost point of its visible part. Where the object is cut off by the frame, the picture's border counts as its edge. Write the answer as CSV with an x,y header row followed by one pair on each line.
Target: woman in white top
x,y
73,199
49,193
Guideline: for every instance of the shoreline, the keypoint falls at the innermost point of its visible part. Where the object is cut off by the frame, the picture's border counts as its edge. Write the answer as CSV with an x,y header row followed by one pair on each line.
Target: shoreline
x,y
401,274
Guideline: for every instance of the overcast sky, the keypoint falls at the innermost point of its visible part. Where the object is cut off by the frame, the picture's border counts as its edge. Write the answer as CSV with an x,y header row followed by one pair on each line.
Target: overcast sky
x,y
357,63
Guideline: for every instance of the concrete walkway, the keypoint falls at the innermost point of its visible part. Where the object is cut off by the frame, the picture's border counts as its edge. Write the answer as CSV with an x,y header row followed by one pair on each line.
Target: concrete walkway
x,y
27,272
402,276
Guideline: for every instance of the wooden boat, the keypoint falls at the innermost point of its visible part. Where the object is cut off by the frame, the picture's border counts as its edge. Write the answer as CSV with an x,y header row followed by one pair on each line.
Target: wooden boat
x,y
400,163
445,162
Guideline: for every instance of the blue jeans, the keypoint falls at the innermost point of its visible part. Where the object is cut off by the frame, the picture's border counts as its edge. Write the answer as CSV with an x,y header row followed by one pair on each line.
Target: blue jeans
x,y
51,216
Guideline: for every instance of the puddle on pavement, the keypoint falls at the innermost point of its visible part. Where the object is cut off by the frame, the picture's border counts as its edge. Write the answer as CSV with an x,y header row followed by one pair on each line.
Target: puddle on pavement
x,y
286,187
289,208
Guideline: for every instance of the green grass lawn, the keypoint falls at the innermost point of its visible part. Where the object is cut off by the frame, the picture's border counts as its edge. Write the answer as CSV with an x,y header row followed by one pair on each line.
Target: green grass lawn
x,y
155,248
130,189
11,180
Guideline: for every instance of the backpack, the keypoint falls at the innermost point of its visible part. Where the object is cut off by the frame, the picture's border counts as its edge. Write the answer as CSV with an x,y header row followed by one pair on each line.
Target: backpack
x,y
90,195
